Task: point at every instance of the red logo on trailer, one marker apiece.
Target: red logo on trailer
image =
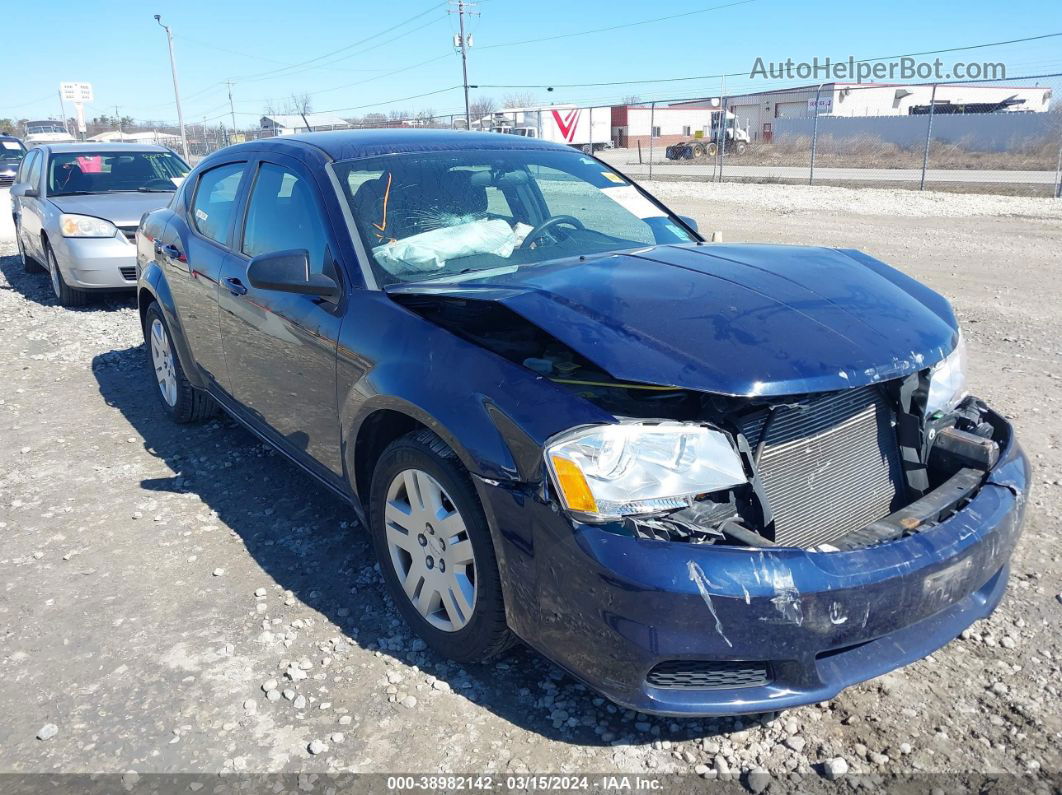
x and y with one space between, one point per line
567 124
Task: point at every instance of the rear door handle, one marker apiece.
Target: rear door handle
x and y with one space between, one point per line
235 286
171 251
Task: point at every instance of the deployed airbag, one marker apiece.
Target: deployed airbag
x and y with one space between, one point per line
429 251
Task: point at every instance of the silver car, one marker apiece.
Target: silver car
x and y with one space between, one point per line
77 206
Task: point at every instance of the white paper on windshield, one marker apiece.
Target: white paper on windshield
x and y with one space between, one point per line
11 145
430 251
177 181
633 202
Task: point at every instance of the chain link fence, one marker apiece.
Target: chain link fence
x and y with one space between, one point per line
930 136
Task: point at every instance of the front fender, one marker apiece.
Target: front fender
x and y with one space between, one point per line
153 283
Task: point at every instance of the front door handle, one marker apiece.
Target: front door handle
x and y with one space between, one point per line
171 251
235 286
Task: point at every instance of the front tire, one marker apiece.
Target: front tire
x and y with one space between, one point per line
435 549
182 401
66 296
29 264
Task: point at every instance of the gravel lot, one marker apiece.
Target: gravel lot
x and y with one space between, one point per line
181 599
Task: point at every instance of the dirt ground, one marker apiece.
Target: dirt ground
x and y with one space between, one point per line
155 577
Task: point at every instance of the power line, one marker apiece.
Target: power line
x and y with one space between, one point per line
261 75
745 73
617 27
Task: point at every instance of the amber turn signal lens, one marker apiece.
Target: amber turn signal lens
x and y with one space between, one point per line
573 486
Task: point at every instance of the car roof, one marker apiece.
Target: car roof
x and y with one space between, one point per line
353 144
101 148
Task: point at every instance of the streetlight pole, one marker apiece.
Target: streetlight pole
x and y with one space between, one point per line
176 90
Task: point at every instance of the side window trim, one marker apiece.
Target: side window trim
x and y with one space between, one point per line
34 167
26 166
189 208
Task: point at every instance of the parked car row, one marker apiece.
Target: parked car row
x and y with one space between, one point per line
704 479
76 208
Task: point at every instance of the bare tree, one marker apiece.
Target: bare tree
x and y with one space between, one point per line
374 120
483 106
633 99
300 103
522 99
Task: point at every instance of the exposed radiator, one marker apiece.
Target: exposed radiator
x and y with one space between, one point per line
828 467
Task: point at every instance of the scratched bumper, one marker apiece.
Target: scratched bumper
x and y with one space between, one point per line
609 608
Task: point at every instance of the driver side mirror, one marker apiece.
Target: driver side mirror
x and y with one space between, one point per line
289 272
690 222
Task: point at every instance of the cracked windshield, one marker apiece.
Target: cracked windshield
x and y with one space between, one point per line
442 215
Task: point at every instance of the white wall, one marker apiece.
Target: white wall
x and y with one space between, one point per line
669 120
985 132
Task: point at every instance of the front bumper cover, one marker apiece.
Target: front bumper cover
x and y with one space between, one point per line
96 263
608 608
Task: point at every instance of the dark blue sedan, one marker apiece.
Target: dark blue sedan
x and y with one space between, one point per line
704 479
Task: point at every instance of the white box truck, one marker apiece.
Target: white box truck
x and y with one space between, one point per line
586 129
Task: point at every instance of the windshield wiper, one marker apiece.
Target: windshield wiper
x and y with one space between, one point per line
154 190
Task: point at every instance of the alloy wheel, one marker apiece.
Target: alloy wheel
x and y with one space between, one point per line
429 547
162 361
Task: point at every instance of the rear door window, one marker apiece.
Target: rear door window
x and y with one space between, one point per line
215 201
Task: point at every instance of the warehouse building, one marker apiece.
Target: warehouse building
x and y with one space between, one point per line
758 111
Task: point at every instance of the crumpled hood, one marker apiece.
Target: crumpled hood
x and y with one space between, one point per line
121 209
730 319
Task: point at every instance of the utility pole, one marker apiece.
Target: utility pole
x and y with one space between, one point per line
463 42
232 110
176 90
62 106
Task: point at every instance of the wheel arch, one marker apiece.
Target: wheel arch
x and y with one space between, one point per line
380 424
153 288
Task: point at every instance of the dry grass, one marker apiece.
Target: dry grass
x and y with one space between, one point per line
988 188
873 152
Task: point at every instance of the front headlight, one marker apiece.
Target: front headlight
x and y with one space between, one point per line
947 381
85 226
611 471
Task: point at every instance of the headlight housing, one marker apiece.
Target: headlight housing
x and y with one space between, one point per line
85 226
947 381
611 471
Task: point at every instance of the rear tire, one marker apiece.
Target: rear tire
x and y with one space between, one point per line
181 401
711 149
419 477
66 296
698 150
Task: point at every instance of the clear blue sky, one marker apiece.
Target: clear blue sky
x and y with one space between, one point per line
117 46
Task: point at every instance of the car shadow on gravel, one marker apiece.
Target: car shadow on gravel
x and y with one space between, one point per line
309 542
37 287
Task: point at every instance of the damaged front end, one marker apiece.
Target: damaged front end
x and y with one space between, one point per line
844 533
826 471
